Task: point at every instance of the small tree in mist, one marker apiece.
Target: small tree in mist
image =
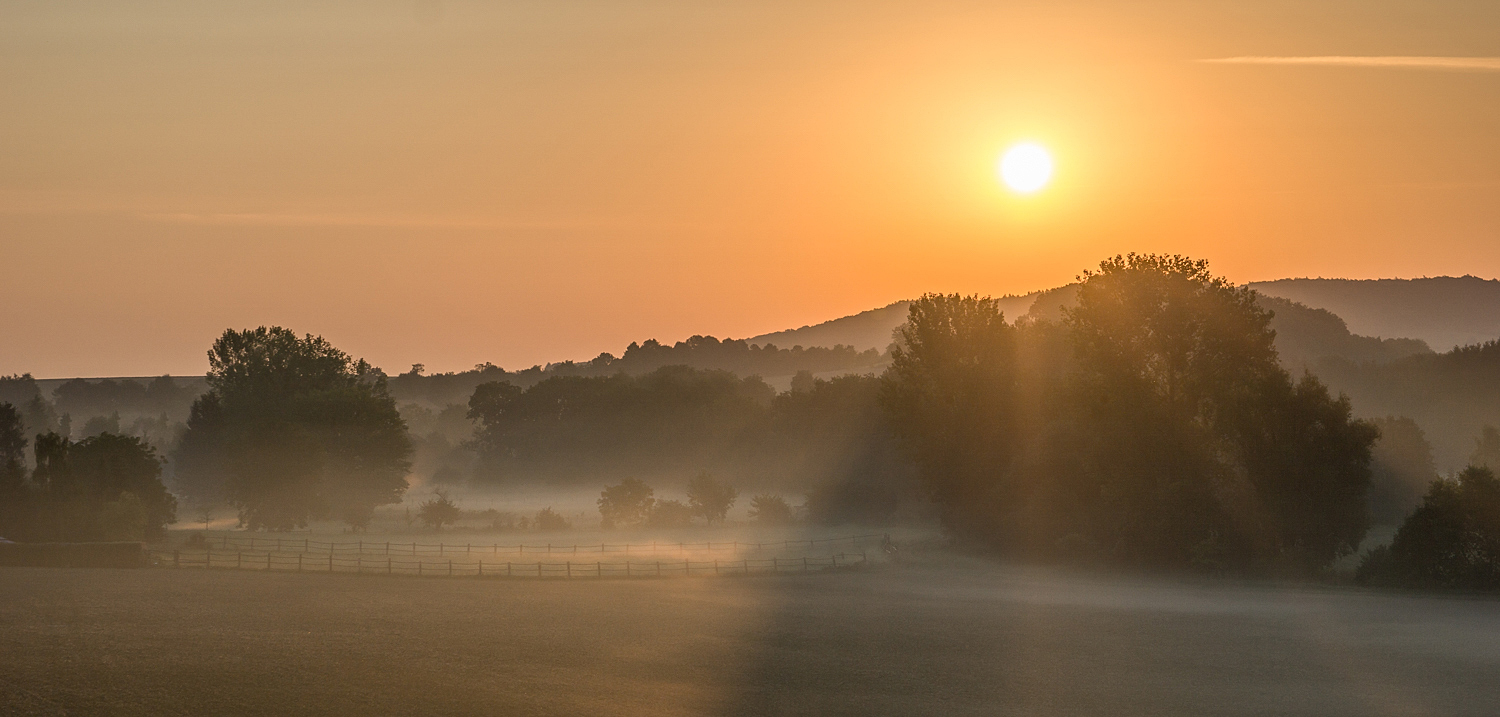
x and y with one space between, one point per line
710 498
770 510
625 505
439 510
548 519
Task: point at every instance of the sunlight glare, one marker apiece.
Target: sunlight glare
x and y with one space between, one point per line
1026 167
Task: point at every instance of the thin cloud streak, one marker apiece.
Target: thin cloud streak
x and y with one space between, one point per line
1450 64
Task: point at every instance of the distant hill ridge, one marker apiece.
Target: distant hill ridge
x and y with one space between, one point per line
1441 311
1444 311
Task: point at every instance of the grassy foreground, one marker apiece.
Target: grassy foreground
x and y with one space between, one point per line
957 638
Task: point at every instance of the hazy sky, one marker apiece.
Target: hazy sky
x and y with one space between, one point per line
519 182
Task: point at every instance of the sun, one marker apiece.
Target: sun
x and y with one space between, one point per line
1026 167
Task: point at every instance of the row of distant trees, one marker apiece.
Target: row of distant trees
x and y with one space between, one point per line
632 504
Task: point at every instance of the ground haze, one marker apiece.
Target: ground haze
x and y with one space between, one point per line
951 636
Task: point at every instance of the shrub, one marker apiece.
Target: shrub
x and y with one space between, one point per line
549 519
1451 541
440 510
770 510
626 504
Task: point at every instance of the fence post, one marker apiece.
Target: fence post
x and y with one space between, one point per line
299 562
176 559
387 565
774 566
804 563
208 558
570 568
747 566
481 568
468 548
538 568
359 563
599 569
330 561
361 547
627 567
549 548
658 563
419 568
238 558
450 568
440 548
716 567
387 547
507 568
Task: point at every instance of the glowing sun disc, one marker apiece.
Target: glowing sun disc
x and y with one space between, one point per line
1026 167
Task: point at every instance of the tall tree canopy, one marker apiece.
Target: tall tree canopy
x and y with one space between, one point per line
293 429
950 392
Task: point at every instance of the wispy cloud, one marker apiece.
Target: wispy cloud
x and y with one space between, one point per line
1451 64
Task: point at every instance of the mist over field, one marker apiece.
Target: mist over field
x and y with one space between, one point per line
658 357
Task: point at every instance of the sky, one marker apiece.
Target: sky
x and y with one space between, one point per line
453 183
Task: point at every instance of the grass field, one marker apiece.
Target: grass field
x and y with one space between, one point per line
949 636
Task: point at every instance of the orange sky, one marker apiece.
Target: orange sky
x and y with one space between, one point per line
520 182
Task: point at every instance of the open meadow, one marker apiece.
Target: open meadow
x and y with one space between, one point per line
939 635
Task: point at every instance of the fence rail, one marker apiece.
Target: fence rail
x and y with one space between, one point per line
393 548
270 561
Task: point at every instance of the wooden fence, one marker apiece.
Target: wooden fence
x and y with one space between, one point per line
331 562
392 548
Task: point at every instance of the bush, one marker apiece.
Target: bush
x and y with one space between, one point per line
626 504
1451 541
770 510
549 519
439 511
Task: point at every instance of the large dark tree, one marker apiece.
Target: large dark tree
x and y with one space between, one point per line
293 429
950 393
1201 447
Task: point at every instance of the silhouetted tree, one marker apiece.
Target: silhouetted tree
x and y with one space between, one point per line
12 453
710 498
292 429
950 393
1451 541
803 382
670 514
1199 445
548 519
770 510
439 510
626 504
